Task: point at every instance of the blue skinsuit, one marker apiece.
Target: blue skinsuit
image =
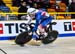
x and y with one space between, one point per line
41 19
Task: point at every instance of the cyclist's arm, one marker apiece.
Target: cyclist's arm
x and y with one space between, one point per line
37 22
29 19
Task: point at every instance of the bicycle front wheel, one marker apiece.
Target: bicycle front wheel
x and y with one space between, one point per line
23 38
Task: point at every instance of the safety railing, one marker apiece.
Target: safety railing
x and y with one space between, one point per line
56 15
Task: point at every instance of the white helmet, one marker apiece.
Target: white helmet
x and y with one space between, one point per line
31 11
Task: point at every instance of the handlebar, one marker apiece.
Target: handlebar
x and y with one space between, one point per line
53 23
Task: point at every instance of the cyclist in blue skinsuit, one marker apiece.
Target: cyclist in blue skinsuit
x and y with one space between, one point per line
42 19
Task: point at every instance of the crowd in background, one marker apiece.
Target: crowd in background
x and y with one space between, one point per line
46 5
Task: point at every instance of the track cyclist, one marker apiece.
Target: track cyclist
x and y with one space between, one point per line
42 20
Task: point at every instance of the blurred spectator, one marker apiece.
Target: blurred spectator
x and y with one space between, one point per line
35 1
22 9
30 3
2 3
52 2
16 3
61 7
46 0
41 5
47 4
70 1
36 6
3 8
71 8
73 1
65 1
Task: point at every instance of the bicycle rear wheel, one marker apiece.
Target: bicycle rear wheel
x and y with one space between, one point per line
52 36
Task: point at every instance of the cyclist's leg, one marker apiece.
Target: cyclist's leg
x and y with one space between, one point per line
34 35
43 25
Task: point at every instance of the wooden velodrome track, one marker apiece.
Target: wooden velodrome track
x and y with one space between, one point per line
63 45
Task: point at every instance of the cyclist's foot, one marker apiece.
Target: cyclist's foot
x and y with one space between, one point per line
30 33
45 34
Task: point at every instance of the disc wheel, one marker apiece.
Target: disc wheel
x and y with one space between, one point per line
52 36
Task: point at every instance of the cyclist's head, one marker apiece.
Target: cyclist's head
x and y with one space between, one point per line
31 11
